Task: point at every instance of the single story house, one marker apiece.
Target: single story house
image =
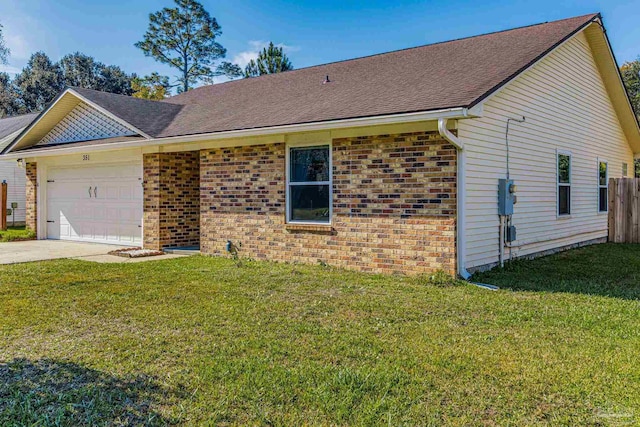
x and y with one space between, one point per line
387 163
10 171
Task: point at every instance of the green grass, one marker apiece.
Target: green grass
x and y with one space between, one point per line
611 270
16 233
200 341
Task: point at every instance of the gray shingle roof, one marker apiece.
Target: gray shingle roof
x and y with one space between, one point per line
11 125
458 73
151 117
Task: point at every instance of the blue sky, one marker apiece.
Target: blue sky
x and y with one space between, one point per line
312 32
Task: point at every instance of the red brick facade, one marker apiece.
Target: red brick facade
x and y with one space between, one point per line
394 205
171 199
31 204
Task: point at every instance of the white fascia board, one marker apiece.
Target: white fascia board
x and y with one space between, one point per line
83 99
32 124
450 113
4 142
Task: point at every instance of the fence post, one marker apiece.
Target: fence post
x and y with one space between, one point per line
624 210
3 209
633 183
620 213
612 210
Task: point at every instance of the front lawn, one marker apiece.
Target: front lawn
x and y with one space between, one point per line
16 233
201 341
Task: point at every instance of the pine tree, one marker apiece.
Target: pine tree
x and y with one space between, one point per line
38 83
271 60
184 37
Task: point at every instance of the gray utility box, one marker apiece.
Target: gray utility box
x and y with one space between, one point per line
506 197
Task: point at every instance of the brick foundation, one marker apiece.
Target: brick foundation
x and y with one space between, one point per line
31 203
171 199
394 205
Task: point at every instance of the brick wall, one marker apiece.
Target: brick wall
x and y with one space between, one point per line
394 205
31 171
171 199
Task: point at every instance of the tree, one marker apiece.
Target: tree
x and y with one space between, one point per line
8 96
4 50
112 78
230 70
271 60
38 83
154 87
81 70
631 76
184 37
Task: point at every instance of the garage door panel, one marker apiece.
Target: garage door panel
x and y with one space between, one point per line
67 190
112 213
99 231
112 193
137 192
113 233
128 233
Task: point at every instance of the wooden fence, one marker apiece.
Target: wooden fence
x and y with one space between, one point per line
624 210
3 206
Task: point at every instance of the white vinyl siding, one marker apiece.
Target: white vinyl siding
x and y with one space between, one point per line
15 178
567 109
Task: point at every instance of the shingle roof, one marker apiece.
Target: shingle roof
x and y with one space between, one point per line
457 73
11 125
151 117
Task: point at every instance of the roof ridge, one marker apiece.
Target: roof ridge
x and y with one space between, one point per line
81 89
592 15
19 116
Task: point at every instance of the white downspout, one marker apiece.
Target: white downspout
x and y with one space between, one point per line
461 241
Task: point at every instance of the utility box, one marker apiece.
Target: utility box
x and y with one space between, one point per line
506 197
510 235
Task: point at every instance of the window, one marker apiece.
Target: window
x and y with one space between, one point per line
625 169
309 184
603 186
564 184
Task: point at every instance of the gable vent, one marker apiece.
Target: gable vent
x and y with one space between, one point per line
85 123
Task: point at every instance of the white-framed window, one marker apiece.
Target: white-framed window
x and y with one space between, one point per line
309 188
564 183
625 169
603 186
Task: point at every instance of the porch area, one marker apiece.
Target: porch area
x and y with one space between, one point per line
172 201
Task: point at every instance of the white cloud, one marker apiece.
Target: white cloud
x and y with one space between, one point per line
255 46
19 47
17 40
9 69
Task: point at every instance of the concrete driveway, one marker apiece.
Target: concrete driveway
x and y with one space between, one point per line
42 250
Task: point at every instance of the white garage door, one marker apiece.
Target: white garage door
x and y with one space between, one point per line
95 204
